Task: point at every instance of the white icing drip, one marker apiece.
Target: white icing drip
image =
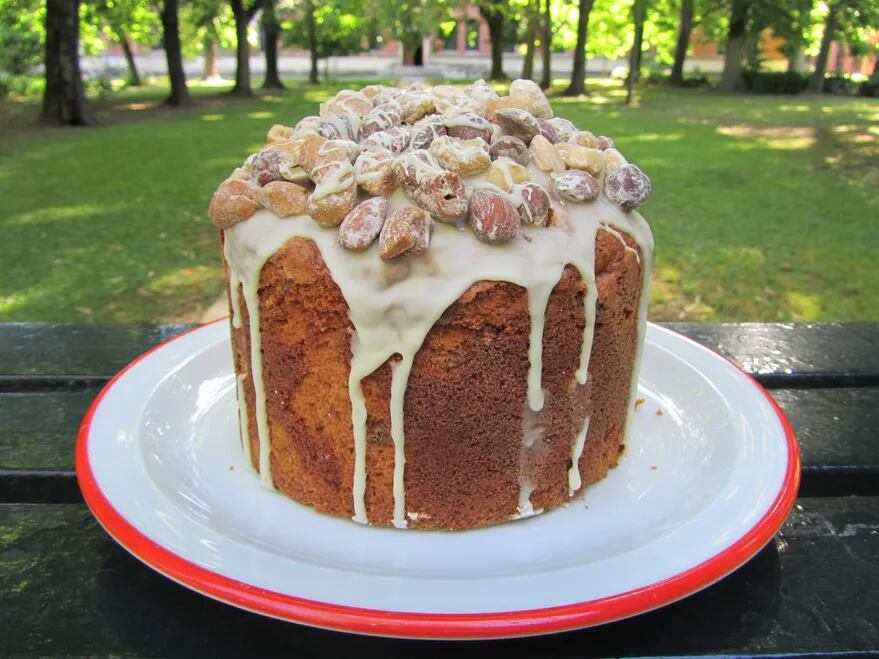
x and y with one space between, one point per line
574 480
251 299
616 234
234 283
525 507
399 379
358 423
243 421
393 305
538 297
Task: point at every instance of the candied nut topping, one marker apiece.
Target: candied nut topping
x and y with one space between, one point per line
576 185
233 202
405 233
581 157
362 225
279 133
424 135
518 123
584 138
530 92
272 165
394 140
510 147
613 161
374 172
628 187
505 173
493 217
545 155
458 153
604 142
465 157
284 199
533 204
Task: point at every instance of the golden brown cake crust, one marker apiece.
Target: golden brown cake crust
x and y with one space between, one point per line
465 405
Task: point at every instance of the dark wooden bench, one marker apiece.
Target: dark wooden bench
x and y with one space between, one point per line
66 589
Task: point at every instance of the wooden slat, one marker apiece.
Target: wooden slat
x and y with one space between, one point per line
45 349
778 351
68 590
779 348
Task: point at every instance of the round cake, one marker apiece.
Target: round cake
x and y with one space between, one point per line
438 305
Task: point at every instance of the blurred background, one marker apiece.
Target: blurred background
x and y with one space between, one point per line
758 121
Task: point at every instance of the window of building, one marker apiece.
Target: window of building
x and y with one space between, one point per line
448 32
472 34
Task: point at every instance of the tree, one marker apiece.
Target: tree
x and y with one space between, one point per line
816 82
124 22
736 46
64 96
852 22
685 29
243 15
533 18
495 13
327 30
206 25
578 73
546 39
639 13
271 32
412 20
311 29
22 37
179 95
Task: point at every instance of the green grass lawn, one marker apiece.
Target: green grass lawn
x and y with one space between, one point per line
764 208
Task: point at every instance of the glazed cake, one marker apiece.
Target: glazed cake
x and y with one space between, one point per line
438 305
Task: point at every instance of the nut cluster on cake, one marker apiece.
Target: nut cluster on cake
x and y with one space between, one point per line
458 154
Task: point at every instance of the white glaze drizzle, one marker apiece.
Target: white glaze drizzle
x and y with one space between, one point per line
392 315
525 507
399 380
251 299
234 283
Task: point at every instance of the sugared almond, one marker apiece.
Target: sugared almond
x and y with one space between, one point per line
233 202
362 225
406 232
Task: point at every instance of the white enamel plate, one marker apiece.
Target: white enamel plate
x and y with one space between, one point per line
710 473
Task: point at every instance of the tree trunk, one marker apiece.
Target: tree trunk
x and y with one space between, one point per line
242 50
271 31
171 36
578 74
133 75
639 12
546 78
64 96
685 28
211 68
312 41
736 47
530 38
816 82
495 21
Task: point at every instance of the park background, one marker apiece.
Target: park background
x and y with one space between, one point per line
757 120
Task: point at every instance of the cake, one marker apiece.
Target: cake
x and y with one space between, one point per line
437 305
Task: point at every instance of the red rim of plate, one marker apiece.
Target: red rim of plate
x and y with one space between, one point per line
433 625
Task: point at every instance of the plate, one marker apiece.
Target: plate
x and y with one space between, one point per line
711 471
